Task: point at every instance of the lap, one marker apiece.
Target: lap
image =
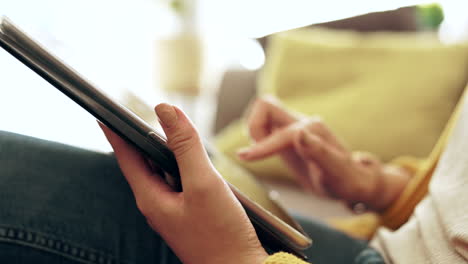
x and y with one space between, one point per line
71 202
66 205
333 247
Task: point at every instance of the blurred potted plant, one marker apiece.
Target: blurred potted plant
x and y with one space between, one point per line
179 53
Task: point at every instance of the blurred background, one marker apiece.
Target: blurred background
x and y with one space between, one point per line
212 57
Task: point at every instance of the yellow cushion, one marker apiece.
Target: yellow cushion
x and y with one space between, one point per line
387 93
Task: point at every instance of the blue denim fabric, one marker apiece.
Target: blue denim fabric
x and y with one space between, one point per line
369 256
61 204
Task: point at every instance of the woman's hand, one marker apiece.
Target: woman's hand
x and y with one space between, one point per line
205 223
320 162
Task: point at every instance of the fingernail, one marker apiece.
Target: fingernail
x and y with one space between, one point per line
167 114
243 152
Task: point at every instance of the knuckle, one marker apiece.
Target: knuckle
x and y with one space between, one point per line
269 99
253 114
255 105
257 120
366 159
252 121
301 128
183 141
266 103
258 107
315 123
298 135
321 150
259 101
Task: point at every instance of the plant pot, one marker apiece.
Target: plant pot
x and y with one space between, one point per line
179 60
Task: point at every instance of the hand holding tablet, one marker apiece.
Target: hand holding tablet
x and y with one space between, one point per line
275 233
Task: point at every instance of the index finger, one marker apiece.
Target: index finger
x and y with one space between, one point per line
265 115
271 144
134 167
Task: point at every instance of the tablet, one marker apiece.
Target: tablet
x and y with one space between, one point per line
275 228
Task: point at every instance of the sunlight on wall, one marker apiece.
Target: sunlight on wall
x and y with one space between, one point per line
454 28
244 19
251 55
257 18
111 42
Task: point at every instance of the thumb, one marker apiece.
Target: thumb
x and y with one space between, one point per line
184 141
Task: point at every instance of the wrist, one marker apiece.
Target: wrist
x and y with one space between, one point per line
254 257
257 257
389 186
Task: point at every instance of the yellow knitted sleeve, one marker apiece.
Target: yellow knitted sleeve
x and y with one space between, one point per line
284 258
417 188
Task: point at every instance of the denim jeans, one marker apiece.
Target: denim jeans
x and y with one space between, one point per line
61 204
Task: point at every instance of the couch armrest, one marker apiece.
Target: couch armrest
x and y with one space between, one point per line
238 87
